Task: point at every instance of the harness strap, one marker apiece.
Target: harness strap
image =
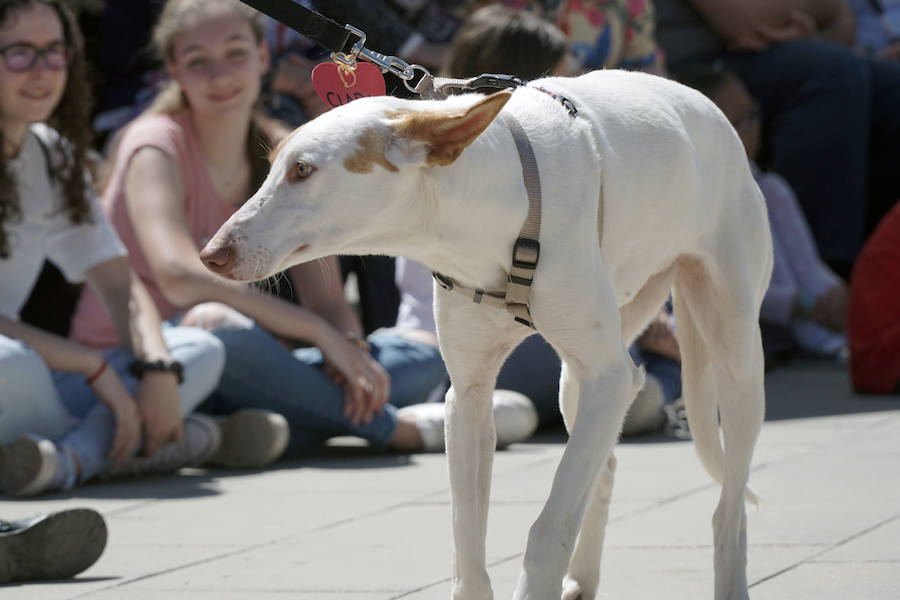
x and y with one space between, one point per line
527 248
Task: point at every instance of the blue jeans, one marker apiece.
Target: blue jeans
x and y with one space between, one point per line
260 372
831 121
63 408
533 369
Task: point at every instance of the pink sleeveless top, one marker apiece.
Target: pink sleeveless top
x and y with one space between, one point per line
204 211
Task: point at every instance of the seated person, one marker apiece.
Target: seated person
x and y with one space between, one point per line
804 296
181 170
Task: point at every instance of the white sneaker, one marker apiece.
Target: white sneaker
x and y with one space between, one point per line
818 340
27 466
515 419
251 438
200 439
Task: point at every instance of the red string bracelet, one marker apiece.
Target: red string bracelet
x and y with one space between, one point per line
90 380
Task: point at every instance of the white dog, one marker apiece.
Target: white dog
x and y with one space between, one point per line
646 190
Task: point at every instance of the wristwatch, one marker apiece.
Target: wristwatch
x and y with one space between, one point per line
139 367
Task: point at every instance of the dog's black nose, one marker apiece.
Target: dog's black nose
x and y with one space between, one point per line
218 259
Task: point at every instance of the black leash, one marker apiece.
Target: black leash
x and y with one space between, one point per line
307 23
346 50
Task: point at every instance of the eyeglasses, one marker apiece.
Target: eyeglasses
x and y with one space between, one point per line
22 56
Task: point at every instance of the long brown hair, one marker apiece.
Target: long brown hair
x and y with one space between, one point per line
178 15
71 118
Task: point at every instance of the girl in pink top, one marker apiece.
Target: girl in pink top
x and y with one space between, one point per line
180 171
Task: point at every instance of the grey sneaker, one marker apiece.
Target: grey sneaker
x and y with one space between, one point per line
55 546
251 438
676 425
200 439
27 465
515 419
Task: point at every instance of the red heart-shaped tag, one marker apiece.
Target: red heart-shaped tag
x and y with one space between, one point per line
337 85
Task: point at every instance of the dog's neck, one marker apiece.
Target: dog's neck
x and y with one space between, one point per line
452 229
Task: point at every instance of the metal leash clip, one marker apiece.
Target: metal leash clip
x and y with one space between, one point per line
392 64
428 86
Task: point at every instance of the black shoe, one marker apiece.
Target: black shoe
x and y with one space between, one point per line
47 547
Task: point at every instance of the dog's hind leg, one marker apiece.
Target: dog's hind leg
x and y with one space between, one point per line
716 311
586 332
474 342
583 578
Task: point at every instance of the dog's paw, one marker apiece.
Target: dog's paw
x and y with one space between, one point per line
572 590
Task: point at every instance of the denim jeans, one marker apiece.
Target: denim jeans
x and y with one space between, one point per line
533 369
261 372
63 408
832 128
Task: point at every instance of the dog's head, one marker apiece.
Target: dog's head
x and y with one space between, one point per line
345 181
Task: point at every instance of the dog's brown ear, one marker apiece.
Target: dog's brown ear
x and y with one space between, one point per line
447 133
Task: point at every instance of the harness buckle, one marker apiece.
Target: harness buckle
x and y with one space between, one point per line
443 281
530 253
495 80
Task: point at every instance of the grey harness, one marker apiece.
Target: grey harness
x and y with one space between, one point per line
527 248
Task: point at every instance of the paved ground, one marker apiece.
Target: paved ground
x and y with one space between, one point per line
350 524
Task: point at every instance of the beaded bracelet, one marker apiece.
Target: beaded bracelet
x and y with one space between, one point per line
96 374
357 341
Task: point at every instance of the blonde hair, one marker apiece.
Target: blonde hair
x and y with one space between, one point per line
180 15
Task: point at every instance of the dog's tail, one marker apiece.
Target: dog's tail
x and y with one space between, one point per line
704 375
704 423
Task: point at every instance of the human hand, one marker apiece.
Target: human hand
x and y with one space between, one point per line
429 55
160 409
365 382
215 315
830 308
293 76
112 392
659 337
759 35
890 52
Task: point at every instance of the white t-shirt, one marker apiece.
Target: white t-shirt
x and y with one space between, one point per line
416 285
45 231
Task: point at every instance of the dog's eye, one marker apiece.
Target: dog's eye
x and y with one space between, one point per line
301 170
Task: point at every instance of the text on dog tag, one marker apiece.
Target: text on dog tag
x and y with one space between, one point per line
339 84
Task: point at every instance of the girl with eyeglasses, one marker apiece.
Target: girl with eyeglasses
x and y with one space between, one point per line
69 412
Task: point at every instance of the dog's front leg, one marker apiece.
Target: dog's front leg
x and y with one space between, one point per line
473 356
551 541
600 379
583 578
471 439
